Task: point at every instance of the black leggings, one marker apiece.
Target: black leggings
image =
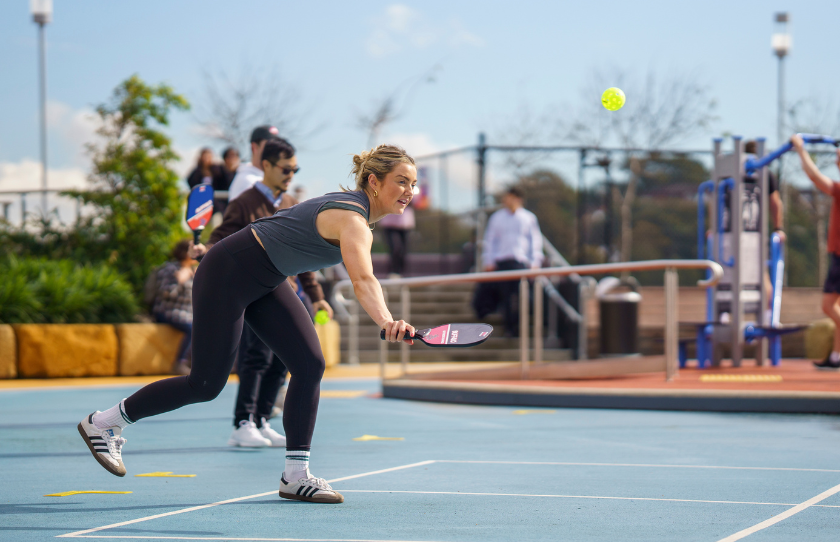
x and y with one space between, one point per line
236 280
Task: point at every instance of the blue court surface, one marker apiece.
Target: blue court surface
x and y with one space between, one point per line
460 473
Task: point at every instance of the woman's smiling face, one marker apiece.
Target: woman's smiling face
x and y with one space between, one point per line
397 189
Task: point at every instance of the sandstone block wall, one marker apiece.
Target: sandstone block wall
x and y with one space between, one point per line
66 350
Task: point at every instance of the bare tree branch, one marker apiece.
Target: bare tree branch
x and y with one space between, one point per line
234 106
393 106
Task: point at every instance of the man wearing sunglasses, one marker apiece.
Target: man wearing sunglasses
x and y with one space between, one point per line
248 174
261 373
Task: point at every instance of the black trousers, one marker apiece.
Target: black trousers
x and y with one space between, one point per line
509 296
237 283
261 374
397 240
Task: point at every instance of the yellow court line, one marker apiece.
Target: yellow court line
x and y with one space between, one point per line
68 493
523 412
741 378
342 394
164 475
374 437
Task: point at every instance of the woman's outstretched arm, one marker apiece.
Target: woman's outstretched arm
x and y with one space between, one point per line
356 239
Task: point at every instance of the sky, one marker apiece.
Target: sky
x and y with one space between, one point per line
491 61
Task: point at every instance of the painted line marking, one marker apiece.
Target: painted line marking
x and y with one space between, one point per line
80 534
741 378
68 493
784 515
577 497
374 437
645 465
167 474
342 394
118 537
524 412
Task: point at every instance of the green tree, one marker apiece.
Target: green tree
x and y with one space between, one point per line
134 190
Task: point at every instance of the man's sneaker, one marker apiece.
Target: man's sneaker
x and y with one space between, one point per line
104 444
277 440
248 436
310 490
827 364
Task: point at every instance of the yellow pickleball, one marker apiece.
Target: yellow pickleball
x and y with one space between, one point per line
613 99
322 317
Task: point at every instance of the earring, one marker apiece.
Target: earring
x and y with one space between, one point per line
375 193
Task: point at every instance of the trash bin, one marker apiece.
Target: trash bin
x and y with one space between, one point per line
619 317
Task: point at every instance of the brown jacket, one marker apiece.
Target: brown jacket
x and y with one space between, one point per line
249 206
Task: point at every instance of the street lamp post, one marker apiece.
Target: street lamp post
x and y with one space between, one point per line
42 14
781 42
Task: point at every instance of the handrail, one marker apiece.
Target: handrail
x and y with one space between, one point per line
715 273
589 269
757 163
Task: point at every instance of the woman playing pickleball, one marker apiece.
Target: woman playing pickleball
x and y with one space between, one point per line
243 279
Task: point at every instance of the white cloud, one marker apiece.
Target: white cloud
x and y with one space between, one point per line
26 175
71 130
402 27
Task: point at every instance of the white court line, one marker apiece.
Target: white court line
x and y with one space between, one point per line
634 465
784 515
258 539
80 534
578 497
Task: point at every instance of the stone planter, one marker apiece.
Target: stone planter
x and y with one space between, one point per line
147 349
8 352
66 350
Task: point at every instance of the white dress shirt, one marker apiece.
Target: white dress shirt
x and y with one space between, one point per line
247 175
513 236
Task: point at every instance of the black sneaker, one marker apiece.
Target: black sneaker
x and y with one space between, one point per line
827 364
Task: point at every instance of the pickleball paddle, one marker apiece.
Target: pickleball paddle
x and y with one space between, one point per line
199 209
451 335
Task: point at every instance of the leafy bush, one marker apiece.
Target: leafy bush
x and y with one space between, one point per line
38 290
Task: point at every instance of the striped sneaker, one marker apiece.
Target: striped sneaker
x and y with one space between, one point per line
309 489
105 444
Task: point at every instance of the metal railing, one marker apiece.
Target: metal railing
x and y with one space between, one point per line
670 267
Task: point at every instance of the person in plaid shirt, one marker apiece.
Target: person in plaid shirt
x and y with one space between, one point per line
173 299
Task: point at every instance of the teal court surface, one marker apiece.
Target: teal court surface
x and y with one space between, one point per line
414 471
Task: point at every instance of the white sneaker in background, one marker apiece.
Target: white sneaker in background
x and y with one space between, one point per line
248 436
277 440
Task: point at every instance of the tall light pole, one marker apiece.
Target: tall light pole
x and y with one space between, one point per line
781 42
42 14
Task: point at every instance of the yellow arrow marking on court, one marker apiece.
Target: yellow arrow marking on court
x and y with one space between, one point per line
741 378
165 475
522 412
68 493
342 394
374 437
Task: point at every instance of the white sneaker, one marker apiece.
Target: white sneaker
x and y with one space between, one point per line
310 490
277 440
104 444
248 436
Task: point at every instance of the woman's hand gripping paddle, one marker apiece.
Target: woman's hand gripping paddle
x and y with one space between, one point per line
451 335
199 209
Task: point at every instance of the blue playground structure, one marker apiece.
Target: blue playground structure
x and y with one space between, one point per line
739 194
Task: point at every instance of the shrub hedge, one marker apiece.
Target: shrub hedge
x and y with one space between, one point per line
43 291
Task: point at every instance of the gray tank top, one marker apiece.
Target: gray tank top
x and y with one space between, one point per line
291 239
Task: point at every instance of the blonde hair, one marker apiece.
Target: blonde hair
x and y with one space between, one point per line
380 161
